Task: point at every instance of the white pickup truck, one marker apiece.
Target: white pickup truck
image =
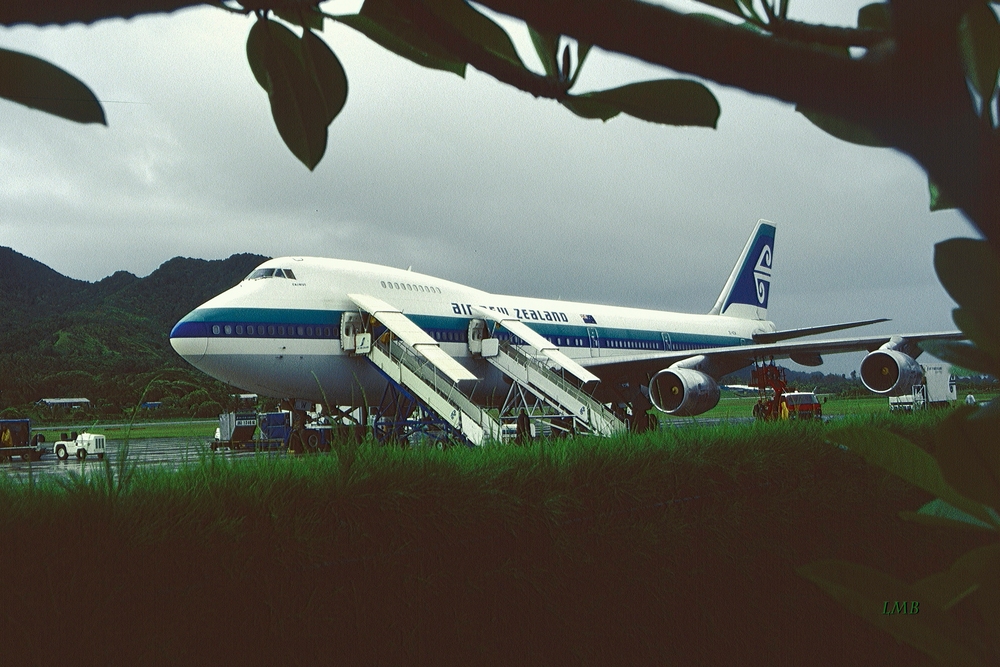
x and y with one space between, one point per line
81 446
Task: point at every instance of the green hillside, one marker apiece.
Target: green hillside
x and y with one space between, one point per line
105 340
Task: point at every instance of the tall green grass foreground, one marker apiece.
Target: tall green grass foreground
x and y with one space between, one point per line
649 549
953 616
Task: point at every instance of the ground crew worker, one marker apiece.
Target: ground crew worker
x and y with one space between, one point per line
523 431
784 409
5 438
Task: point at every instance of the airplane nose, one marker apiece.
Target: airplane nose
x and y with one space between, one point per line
189 338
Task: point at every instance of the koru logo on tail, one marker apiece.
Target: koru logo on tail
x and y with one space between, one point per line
762 274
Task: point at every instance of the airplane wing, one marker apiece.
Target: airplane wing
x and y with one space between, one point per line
723 360
775 336
407 331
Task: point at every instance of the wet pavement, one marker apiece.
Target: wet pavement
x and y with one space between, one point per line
170 452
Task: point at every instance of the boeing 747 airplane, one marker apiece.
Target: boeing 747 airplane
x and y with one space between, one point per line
339 332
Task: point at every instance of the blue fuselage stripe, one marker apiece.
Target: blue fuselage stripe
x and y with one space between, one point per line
325 324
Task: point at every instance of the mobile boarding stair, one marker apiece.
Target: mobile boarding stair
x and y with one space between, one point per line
424 393
542 392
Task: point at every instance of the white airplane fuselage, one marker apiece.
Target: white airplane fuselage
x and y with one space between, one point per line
281 336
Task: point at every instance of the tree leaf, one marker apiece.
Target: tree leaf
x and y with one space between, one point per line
305 16
296 104
587 107
867 593
582 49
382 23
842 129
41 85
904 459
666 101
939 513
327 73
874 16
546 45
746 25
968 455
476 27
255 56
730 6
939 200
962 354
982 328
979 41
255 50
975 573
969 271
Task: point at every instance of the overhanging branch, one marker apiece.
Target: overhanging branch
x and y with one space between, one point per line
785 69
474 54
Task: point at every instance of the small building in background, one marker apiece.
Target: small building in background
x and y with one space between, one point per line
65 403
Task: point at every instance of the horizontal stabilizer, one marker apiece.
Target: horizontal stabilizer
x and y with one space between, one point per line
407 331
537 341
787 334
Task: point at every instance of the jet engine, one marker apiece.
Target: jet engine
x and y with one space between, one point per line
890 372
683 392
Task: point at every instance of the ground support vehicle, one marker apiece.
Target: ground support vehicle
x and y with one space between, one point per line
81 446
937 390
271 430
236 430
315 435
771 384
803 405
16 440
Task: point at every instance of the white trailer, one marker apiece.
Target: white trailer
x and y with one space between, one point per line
937 390
81 446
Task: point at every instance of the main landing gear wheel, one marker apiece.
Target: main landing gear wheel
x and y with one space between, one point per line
61 453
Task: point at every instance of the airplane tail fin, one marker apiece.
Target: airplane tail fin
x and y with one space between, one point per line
749 286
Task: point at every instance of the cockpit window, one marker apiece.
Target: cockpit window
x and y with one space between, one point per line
260 273
271 273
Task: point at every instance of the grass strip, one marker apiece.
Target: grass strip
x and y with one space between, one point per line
676 547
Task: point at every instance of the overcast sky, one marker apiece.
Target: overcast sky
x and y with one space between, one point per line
466 179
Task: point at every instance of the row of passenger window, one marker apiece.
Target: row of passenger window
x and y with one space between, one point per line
441 335
613 343
409 287
279 330
445 336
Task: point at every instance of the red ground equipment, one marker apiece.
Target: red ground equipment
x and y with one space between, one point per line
768 376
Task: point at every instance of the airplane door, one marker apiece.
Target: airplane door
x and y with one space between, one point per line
477 331
595 342
351 324
666 341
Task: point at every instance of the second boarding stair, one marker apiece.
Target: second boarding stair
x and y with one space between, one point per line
564 397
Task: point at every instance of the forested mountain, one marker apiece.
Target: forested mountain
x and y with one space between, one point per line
104 340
